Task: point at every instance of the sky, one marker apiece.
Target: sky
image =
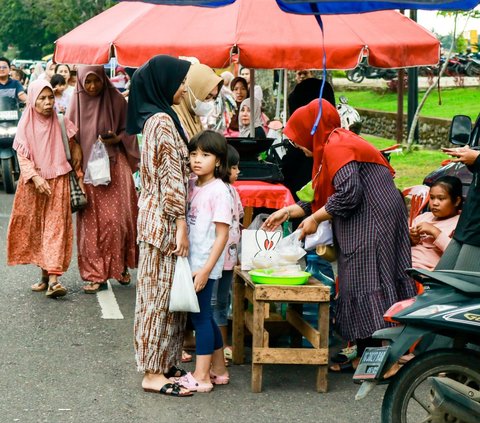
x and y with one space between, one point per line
444 25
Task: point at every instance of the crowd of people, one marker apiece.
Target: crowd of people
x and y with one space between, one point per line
188 206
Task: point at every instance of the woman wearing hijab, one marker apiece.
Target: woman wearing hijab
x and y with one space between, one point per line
203 87
162 229
40 230
239 87
296 167
244 119
106 228
353 185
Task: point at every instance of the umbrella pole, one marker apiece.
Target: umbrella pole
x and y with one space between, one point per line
252 102
279 91
285 87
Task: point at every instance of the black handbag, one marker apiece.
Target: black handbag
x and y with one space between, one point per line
78 200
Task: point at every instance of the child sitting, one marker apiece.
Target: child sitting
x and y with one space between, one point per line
431 232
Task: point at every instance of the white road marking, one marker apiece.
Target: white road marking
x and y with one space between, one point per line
108 304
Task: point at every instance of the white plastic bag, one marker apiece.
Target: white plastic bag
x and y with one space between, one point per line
290 249
182 295
323 236
98 166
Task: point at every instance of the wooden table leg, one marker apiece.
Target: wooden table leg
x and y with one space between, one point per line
323 323
258 325
238 324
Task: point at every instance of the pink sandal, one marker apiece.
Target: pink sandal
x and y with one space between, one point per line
219 379
192 384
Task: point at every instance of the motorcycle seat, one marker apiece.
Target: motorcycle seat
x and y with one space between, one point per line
462 280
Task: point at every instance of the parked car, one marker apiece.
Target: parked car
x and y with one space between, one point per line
462 132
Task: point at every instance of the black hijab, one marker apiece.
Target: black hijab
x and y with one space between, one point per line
308 90
152 89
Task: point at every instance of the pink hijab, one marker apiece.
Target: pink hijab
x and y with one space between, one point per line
39 138
104 112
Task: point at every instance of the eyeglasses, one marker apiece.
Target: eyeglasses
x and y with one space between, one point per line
3 67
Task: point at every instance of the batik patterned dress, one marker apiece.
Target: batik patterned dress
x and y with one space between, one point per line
371 229
164 176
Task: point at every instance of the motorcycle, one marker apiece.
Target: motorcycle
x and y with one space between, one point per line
363 71
9 117
443 324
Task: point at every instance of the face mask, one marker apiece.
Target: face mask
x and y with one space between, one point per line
201 108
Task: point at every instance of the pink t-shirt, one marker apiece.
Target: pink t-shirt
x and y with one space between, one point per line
207 205
231 249
427 254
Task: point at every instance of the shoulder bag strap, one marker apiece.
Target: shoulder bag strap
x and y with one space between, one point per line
64 136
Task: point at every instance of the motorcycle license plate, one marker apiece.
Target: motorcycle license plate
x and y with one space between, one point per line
8 115
371 363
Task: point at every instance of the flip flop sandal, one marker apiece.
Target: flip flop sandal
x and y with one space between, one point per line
126 278
90 287
188 381
341 367
170 389
56 290
40 286
175 372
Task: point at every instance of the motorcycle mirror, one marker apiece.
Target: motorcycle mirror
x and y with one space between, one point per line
460 130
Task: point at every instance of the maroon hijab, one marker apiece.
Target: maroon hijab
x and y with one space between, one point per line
95 115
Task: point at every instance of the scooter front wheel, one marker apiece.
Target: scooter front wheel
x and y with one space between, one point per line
409 397
8 175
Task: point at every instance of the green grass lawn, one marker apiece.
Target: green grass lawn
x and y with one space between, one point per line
454 101
410 168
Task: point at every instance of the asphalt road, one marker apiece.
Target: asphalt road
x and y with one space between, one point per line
62 362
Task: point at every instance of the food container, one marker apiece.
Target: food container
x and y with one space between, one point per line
273 277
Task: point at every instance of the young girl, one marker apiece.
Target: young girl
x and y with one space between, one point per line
222 288
209 217
431 232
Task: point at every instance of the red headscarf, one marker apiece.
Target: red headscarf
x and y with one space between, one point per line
39 137
332 147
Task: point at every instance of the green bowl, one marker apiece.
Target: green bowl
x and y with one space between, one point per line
264 276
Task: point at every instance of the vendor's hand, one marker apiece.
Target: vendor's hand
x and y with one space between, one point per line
111 140
181 238
200 279
464 154
308 226
275 219
41 185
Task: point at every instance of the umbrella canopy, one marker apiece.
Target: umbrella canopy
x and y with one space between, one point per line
339 6
264 36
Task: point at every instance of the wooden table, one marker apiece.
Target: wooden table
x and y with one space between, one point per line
262 194
260 296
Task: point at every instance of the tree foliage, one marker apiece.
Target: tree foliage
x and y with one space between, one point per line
32 26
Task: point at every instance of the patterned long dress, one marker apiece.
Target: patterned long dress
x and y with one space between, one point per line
164 175
371 229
